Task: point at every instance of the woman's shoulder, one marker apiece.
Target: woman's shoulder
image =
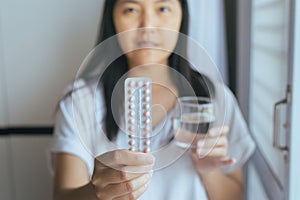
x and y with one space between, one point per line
81 94
81 87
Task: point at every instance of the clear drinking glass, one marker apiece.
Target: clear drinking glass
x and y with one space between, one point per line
192 116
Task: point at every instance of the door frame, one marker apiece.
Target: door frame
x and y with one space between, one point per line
243 59
294 106
243 82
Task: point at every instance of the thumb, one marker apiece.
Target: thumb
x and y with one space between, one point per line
227 161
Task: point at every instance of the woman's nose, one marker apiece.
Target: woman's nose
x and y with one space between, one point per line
148 20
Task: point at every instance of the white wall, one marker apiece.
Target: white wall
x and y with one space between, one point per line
6 185
42 44
3 99
6 181
31 178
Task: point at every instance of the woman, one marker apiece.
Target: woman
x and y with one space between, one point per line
122 174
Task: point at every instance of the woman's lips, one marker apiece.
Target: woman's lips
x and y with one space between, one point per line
146 44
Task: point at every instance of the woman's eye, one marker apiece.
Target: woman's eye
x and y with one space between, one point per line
130 10
164 9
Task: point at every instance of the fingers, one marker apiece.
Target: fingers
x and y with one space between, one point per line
125 157
212 152
138 169
215 144
212 142
134 195
185 136
129 188
122 174
208 164
106 176
227 161
110 176
115 171
216 147
218 131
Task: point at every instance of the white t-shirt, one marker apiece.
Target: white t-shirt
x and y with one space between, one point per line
79 131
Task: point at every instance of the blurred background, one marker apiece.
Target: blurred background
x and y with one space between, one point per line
253 42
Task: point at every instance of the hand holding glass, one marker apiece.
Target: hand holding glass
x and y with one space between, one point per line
192 116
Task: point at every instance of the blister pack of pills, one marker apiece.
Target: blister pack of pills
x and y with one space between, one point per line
138 113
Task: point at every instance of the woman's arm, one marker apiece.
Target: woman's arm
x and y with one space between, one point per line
221 186
209 156
118 174
71 179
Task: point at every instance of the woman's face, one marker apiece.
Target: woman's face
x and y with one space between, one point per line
152 29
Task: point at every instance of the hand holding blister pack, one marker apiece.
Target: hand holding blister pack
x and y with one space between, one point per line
138 113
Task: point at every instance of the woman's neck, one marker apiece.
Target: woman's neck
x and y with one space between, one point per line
159 74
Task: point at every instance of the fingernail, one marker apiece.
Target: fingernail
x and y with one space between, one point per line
146 185
225 159
201 152
200 143
233 160
151 174
229 161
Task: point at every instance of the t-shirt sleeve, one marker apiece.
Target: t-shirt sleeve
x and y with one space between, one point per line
240 143
66 139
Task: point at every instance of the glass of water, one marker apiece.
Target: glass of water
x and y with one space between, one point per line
192 117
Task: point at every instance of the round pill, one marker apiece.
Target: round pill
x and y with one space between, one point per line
130 91
146 99
147 143
131 106
131 114
147 106
146 150
131 149
146 91
131 142
147 114
131 99
139 84
131 136
131 84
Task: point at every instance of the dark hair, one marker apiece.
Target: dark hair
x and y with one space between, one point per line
119 67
